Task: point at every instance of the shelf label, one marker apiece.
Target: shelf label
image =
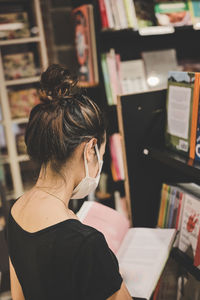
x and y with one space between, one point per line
156 30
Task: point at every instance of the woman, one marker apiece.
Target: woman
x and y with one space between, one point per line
52 254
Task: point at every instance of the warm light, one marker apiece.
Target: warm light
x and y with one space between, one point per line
197 26
153 80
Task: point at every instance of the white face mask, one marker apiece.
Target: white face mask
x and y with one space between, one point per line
87 184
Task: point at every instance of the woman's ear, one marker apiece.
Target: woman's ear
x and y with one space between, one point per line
90 150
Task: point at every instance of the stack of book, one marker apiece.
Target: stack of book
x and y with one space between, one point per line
180 209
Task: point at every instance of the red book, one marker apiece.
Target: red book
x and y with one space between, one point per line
197 255
104 18
179 211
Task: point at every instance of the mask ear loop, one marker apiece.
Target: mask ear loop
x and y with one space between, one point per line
85 162
98 157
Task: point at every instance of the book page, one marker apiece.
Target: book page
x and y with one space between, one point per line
111 223
179 111
142 256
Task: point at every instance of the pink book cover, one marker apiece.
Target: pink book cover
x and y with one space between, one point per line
113 152
108 221
118 147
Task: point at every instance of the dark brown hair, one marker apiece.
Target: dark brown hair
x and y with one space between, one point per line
63 120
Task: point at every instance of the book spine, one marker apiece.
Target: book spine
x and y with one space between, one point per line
122 14
172 208
197 253
106 79
166 206
111 23
103 14
131 14
194 116
115 14
112 71
162 205
180 209
95 70
113 151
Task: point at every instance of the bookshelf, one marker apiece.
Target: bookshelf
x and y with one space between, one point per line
141 122
36 41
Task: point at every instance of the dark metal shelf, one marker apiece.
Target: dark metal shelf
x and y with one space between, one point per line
186 262
188 167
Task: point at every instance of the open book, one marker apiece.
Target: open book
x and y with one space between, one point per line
141 252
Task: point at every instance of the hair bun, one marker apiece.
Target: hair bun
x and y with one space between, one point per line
56 82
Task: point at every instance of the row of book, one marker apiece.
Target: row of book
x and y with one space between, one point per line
183 113
136 76
20 65
180 209
14 25
136 14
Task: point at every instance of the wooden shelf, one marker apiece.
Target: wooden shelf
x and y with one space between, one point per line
153 30
23 157
188 167
20 120
186 262
4 159
20 41
23 81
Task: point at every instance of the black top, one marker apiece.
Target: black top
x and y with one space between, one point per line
68 260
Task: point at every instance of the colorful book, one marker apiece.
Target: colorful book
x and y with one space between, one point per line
111 22
116 155
190 227
106 79
103 14
166 206
22 101
173 13
197 145
136 248
19 65
182 112
131 14
122 14
14 25
164 194
112 71
85 43
172 207
194 7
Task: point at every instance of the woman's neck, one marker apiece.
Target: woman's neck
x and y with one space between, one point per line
55 184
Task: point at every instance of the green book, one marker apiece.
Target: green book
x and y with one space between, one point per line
182 112
106 79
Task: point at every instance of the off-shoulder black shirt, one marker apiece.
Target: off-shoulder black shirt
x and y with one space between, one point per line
66 261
